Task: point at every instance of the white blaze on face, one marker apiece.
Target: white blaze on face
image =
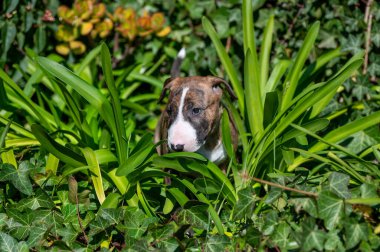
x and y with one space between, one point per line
181 132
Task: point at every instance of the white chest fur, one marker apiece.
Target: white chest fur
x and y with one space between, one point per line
216 155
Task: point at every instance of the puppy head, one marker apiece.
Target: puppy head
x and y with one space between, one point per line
193 111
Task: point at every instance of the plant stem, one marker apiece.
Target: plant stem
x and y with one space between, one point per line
367 19
261 181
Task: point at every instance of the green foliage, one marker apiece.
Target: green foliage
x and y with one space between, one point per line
79 169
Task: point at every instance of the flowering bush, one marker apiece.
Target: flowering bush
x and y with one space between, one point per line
89 19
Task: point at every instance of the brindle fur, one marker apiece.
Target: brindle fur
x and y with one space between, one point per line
205 93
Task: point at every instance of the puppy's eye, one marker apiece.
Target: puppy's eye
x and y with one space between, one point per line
196 111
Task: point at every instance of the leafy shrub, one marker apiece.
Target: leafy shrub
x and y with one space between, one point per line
80 170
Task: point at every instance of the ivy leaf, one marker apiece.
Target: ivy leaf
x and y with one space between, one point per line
334 242
353 44
368 191
375 36
360 141
271 221
355 233
216 243
314 240
196 216
307 204
331 209
338 184
245 205
40 200
136 223
68 233
111 215
7 242
18 177
281 235
37 233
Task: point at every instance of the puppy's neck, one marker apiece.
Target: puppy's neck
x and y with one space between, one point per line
213 148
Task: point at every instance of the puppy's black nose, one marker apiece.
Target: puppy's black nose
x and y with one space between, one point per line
177 147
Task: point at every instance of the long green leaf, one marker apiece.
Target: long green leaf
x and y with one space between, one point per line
320 105
119 120
254 105
266 46
340 134
226 61
294 73
25 100
278 126
61 152
96 175
88 92
250 45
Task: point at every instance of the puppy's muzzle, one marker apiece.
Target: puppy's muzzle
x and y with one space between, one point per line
177 147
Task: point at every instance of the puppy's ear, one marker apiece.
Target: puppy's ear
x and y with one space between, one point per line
216 82
167 85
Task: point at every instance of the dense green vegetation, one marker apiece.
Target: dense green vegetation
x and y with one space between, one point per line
78 107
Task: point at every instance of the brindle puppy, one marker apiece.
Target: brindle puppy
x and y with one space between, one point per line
191 120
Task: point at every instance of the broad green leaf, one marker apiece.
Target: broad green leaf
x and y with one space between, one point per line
355 232
314 240
334 242
331 209
271 222
217 243
7 243
40 200
136 223
196 216
24 101
8 36
37 234
19 178
338 184
111 215
206 186
245 205
281 235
